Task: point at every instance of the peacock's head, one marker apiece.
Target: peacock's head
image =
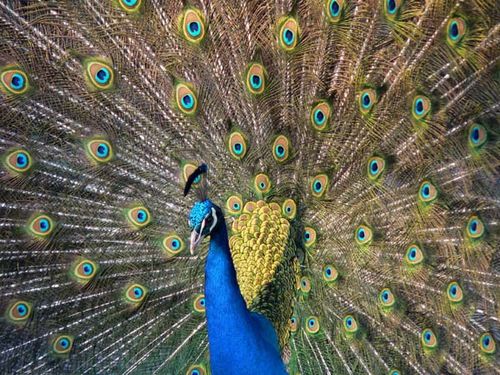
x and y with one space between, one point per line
203 220
205 216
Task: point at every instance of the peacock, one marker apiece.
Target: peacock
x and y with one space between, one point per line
249 187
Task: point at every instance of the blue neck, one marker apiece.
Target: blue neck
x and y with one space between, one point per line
240 342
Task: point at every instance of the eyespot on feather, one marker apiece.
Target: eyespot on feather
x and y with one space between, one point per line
367 99
14 80
475 228
320 116
262 183
289 209
186 99
41 226
100 75
99 150
293 324
350 324
61 344
172 244
18 312
237 145
334 10
454 292
392 8
193 25
83 270
309 237
196 370
255 79
281 149
138 217
487 343
288 34
319 185
421 107
414 255
135 294
199 303
429 339
18 161
330 273
312 325
234 205
130 6
363 235
455 30
427 192
375 167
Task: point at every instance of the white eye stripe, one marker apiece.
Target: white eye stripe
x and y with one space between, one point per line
214 217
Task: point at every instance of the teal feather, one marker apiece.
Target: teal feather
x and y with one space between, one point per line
106 107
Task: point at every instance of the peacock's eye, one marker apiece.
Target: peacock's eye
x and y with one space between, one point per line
376 166
363 235
312 324
14 81
172 244
309 236
475 227
487 343
414 255
477 136
456 30
237 145
84 270
293 324
320 115
199 303
138 216
319 185
334 10
427 192
289 209
350 324
288 33
99 150
135 294
386 298
130 6
330 273
18 161
421 107
367 100
429 339
392 7
185 99
193 25
234 205
19 312
305 284
196 370
454 292
41 226
255 80
62 344
100 75
262 183
281 148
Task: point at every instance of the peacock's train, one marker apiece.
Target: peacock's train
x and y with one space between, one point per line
249 187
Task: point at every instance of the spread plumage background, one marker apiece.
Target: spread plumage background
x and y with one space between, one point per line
369 128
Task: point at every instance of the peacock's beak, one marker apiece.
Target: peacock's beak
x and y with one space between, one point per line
196 238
